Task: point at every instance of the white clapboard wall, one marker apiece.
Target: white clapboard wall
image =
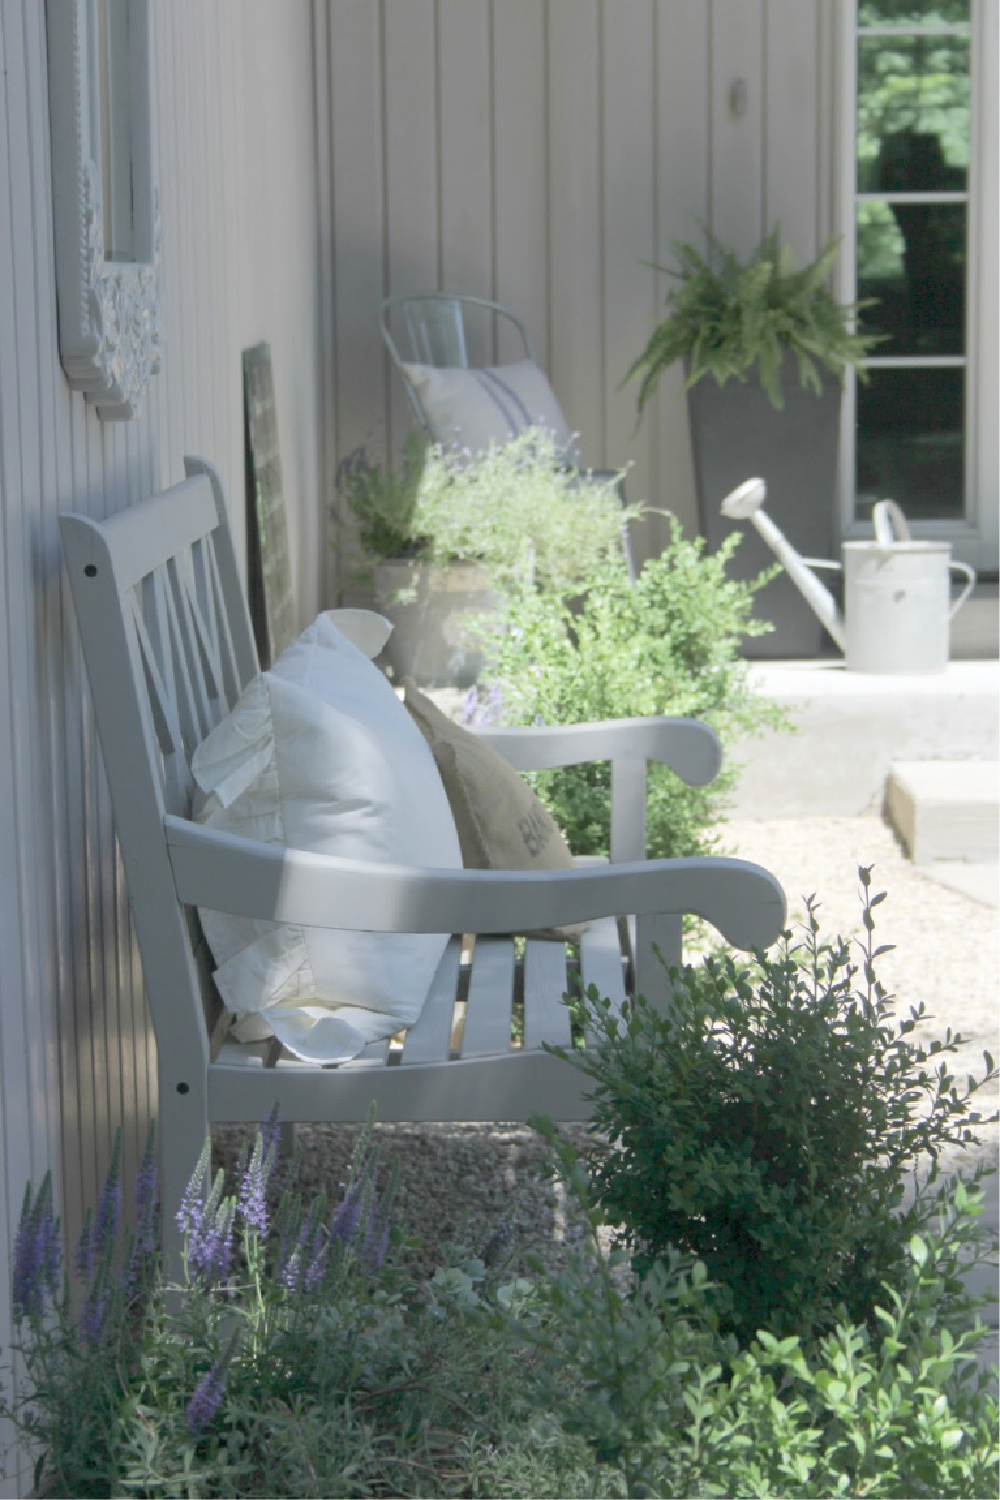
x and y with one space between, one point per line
539 152
236 152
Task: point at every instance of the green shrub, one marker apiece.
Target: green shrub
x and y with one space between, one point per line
666 644
670 1407
767 1123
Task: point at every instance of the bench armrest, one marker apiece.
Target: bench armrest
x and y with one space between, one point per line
216 870
690 748
687 746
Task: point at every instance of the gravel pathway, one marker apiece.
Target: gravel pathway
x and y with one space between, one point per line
467 1183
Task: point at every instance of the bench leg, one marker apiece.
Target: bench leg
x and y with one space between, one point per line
182 1129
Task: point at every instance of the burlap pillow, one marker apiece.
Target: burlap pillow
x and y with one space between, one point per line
501 823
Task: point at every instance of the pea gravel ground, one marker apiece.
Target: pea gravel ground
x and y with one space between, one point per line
477 1185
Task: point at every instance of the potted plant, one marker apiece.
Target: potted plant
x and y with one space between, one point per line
429 601
764 347
451 533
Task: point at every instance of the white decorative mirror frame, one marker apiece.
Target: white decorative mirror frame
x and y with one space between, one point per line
107 238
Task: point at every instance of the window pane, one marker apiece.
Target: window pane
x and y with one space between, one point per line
913 114
913 12
910 442
911 258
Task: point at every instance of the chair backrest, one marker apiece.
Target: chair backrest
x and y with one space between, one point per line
169 647
436 329
439 329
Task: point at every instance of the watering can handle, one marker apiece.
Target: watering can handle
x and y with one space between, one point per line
889 523
970 583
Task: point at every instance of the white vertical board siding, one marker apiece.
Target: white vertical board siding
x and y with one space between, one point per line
236 161
412 181
520 169
683 175
736 138
629 218
540 151
791 124
357 204
465 113
576 241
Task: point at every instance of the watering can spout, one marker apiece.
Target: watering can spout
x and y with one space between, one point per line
744 504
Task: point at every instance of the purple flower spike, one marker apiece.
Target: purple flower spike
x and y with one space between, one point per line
207 1223
271 1132
207 1398
253 1191
348 1216
469 706
290 1270
376 1244
147 1200
92 1315
316 1270
210 1250
109 1209
191 1213
37 1253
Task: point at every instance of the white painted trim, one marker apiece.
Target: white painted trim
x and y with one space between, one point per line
110 323
984 242
975 538
846 133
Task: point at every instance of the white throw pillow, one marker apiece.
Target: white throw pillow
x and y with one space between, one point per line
474 408
319 754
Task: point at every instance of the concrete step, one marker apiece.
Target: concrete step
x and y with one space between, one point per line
946 809
852 727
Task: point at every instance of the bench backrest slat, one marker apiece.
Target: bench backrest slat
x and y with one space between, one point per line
169 647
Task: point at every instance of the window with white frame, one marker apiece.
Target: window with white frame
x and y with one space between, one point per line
914 253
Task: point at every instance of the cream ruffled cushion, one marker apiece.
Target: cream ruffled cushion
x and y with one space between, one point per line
319 754
480 407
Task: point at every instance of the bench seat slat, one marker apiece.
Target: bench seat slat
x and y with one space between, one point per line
601 960
491 995
546 1018
429 1038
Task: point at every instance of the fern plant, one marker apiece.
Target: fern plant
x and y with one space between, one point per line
727 318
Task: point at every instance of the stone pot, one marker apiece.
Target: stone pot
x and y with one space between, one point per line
435 609
736 434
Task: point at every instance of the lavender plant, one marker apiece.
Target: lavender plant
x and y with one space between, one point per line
296 1357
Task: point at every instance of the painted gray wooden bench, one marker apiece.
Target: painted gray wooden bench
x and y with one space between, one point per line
168 647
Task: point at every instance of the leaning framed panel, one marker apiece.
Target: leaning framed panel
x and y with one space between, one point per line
269 575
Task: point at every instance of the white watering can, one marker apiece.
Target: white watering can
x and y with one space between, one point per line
896 591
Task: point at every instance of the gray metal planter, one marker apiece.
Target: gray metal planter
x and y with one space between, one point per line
735 434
